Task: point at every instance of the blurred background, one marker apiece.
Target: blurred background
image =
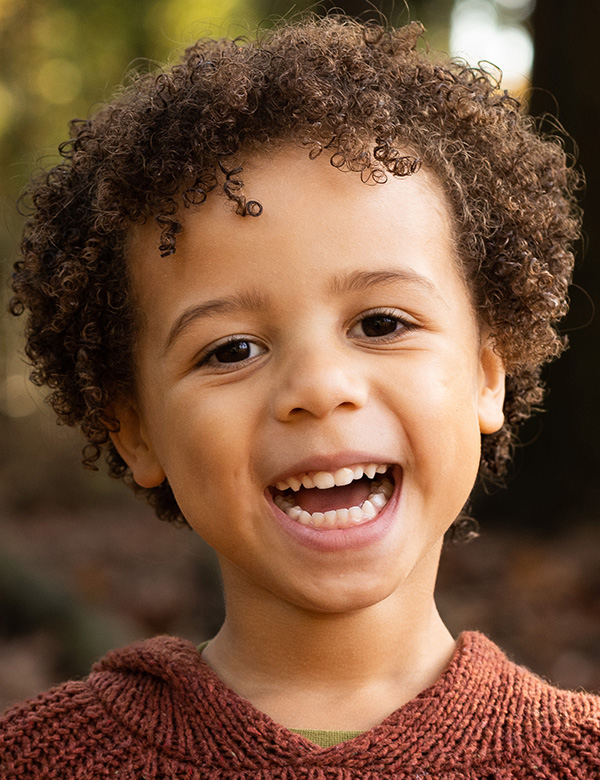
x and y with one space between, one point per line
84 566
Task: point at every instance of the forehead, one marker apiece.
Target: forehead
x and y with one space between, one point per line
315 218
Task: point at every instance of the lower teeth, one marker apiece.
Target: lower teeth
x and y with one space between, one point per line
337 518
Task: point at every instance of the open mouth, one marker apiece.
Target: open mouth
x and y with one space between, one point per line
344 498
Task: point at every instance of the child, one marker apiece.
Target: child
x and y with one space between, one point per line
299 292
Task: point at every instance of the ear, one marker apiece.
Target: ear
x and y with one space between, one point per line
134 445
491 389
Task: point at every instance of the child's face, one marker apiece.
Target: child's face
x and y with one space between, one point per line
334 330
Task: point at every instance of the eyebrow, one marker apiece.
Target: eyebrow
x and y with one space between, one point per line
359 281
245 301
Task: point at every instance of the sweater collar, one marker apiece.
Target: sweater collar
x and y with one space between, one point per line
162 690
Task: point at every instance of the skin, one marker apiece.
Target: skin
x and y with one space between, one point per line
298 639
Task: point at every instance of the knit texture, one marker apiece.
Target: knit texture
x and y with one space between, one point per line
155 711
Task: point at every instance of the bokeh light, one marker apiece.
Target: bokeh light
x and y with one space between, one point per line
522 8
183 21
58 81
7 108
480 32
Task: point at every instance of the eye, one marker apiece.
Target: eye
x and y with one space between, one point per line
232 353
382 325
379 325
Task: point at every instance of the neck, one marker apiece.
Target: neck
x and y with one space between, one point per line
320 670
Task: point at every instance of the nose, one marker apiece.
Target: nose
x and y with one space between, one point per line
315 381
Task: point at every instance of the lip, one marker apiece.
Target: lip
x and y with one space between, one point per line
338 539
328 463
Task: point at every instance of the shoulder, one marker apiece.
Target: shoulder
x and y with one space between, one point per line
40 734
547 731
560 729
86 722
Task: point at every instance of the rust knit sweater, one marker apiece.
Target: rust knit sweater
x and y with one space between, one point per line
154 711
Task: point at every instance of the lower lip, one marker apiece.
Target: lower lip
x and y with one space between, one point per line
350 538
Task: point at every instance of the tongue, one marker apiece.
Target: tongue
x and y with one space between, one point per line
316 500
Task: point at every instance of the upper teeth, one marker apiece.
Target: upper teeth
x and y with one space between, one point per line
329 479
381 492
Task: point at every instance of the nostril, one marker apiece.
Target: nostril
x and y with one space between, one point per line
317 391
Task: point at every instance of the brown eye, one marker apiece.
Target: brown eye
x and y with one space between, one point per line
233 352
379 325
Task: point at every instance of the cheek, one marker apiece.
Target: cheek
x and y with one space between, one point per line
436 403
208 449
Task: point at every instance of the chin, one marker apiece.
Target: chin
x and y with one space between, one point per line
337 600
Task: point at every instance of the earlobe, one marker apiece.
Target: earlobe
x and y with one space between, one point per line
491 390
133 444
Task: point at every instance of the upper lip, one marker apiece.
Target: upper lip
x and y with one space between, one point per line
329 463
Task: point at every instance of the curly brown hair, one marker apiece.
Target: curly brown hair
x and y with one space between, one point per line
361 94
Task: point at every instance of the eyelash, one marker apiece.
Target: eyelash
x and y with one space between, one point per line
404 324
206 357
